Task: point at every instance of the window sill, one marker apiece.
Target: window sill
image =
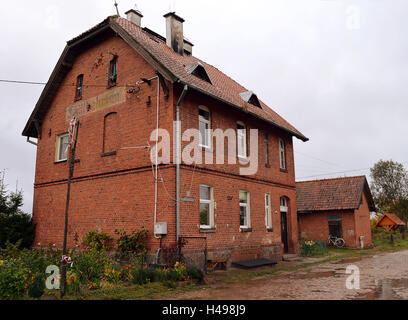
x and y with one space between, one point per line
65 161
243 159
108 154
245 229
269 229
207 230
77 99
284 170
111 85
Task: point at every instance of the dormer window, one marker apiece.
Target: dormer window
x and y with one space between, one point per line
251 98
113 72
198 70
79 85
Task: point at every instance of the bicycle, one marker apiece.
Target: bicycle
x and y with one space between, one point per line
335 241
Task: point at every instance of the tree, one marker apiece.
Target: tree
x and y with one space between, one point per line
15 224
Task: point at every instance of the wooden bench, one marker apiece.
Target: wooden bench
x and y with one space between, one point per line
213 263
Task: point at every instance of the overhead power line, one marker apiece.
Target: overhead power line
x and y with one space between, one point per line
330 173
68 84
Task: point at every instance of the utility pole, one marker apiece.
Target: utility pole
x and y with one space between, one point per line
72 143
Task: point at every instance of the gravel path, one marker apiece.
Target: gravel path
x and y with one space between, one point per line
383 276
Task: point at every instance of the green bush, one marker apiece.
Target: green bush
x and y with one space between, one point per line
90 265
134 243
99 241
13 279
37 287
311 248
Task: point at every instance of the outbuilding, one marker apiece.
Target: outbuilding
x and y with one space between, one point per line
339 207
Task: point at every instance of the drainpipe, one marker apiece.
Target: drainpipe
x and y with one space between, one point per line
178 160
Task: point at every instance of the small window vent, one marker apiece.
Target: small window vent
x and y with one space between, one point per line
251 98
198 70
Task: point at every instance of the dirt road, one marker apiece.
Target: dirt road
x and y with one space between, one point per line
383 276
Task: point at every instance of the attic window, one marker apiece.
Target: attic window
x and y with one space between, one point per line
79 84
198 70
251 98
113 72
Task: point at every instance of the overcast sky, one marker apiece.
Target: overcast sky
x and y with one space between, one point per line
335 69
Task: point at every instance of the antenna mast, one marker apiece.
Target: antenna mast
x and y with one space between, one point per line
116 6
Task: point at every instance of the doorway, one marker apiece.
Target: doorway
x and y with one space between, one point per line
284 224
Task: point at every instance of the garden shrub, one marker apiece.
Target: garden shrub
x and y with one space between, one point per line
134 243
37 287
14 279
312 248
99 241
90 265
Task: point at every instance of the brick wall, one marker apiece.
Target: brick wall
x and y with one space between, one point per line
115 191
355 223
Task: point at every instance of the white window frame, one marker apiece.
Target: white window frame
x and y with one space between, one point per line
241 135
248 211
207 122
211 206
268 211
59 146
283 204
282 155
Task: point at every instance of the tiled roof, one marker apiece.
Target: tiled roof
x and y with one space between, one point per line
222 86
332 194
167 61
393 217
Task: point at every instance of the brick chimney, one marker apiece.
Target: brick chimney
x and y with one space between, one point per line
134 16
174 32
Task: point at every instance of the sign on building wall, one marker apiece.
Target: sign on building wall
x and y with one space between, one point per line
105 100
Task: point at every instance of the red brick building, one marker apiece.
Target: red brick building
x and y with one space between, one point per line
123 81
339 207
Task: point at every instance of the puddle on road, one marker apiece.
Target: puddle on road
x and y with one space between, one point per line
313 275
348 260
387 289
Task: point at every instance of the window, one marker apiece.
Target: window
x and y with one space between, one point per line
283 204
282 160
206 207
266 147
244 212
113 71
62 147
268 216
79 84
335 228
241 139
204 127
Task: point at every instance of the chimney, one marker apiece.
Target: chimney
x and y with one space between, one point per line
134 16
174 32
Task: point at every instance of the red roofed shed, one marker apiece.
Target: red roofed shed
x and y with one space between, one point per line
339 207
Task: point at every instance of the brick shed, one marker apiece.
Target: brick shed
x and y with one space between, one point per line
123 81
339 207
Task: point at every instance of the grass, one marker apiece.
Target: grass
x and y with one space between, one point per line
154 290
159 290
